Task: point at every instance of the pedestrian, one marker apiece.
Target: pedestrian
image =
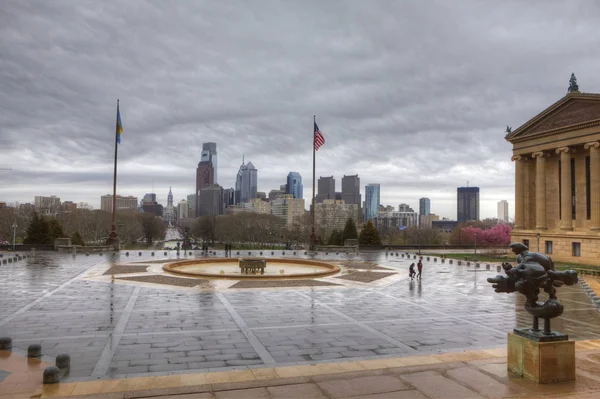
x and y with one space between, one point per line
411 271
419 268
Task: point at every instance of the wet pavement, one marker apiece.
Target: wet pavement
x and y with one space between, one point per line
114 329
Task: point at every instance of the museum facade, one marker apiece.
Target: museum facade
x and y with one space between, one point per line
557 179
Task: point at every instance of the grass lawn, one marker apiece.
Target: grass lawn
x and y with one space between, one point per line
512 259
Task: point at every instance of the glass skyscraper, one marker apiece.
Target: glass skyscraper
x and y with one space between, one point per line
294 185
246 183
424 206
467 204
372 200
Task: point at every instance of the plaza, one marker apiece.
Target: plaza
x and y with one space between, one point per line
121 316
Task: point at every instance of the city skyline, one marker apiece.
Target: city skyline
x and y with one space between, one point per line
371 100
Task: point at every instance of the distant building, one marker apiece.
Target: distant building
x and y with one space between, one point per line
372 200
68 206
351 190
149 198
332 215
209 154
191 201
424 206
122 203
228 197
406 217
405 208
294 185
210 201
258 205
325 189
467 208
204 178
246 183
287 208
425 221
503 211
446 226
183 210
169 215
47 205
274 194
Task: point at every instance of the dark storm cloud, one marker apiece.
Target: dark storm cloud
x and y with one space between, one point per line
414 95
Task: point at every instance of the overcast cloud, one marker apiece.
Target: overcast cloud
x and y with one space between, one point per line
414 95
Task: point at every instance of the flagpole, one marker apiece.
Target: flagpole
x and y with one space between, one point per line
313 235
113 239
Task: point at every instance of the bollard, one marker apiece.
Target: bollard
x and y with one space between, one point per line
459 262
63 361
51 375
443 260
165 253
6 343
272 253
428 258
435 259
249 253
487 267
100 253
294 252
283 253
326 253
468 263
477 264
34 350
238 252
126 253
305 253
152 253
260 252
402 255
140 254
87 254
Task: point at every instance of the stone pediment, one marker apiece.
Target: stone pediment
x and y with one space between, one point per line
569 113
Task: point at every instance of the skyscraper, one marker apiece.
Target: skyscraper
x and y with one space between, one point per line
191 203
204 178
209 154
467 204
325 189
503 211
294 185
372 200
424 206
211 201
351 190
169 214
246 183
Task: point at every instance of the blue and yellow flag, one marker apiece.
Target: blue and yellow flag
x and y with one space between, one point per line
119 126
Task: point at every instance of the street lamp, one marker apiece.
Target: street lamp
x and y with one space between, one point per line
14 226
538 240
475 256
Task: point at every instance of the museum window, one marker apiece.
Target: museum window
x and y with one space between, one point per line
549 247
526 242
576 248
573 201
588 197
559 190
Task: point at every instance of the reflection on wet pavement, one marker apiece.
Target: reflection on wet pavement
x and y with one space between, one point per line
113 328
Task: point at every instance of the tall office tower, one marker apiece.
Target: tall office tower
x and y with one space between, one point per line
209 154
424 206
183 210
351 190
246 183
149 198
191 200
294 185
503 211
211 201
204 178
326 189
372 200
228 197
467 204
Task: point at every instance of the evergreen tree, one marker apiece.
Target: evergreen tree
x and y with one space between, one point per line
573 86
54 231
37 231
350 232
335 238
76 239
369 235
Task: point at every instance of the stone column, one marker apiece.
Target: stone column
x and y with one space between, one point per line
594 183
540 190
565 182
519 191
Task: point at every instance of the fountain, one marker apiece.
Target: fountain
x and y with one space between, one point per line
252 268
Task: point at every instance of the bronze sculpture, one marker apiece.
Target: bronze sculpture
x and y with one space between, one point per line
535 271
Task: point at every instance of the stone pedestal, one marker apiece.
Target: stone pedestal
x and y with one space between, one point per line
542 362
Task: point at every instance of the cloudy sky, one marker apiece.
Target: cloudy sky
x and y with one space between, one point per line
414 95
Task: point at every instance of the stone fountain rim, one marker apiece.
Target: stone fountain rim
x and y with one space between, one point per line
331 269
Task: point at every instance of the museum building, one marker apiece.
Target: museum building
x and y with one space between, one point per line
557 179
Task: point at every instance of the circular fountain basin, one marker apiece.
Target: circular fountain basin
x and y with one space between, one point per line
229 268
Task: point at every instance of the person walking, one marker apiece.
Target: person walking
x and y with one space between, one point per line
411 271
419 268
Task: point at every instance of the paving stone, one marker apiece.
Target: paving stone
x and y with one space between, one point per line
481 382
434 385
343 388
298 391
253 393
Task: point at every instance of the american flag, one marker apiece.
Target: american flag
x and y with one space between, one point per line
319 139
